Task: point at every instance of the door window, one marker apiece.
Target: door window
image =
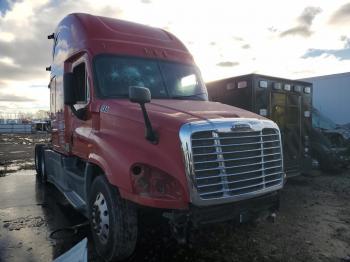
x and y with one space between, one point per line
81 86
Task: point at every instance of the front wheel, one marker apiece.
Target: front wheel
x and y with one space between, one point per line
113 221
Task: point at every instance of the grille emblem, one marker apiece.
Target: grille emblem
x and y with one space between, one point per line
241 127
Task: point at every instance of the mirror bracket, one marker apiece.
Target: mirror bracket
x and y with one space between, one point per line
142 95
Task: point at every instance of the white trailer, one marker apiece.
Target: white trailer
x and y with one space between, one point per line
331 96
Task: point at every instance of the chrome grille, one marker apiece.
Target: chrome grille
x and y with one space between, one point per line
234 163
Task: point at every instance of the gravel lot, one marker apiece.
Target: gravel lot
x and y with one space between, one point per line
312 225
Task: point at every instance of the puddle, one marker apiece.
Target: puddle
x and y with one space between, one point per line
17 152
22 168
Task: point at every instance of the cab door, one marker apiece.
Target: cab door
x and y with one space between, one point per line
81 128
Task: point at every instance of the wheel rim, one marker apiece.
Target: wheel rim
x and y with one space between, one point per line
100 218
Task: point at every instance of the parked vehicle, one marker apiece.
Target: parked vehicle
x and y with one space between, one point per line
284 101
114 150
330 143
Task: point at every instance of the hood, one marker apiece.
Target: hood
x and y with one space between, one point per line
167 112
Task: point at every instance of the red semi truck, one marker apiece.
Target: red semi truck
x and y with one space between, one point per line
114 150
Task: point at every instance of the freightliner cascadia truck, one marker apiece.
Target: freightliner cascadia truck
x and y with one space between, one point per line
287 102
132 129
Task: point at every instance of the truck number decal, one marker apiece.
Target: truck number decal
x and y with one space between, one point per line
104 109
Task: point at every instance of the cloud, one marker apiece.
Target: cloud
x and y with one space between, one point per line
298 30
237 38
246 46
146 1
29 48
227 64
23 72
309 15
341 16
38 86
304 23
14 98
2 84
341 54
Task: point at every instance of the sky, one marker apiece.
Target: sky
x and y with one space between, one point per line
290 39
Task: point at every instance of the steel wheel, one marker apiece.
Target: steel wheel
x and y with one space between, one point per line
113 221
100 218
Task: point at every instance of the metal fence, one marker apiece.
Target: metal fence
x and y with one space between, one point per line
16 128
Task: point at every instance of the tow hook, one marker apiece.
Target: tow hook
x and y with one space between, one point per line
180 226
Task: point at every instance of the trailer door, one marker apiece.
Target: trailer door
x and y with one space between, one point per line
285 111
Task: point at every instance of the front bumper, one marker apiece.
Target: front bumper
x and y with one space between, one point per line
240 211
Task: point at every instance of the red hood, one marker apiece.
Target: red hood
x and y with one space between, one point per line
174 113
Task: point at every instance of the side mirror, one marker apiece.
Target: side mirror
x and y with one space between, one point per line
68 89
139 95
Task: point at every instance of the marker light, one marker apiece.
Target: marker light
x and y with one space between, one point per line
277 86
230 86
242 84
263 84
297 88
307 90
263 112
287 87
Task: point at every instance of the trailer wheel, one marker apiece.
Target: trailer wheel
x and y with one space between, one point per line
113 221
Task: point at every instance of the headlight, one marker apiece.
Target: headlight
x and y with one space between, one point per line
152 182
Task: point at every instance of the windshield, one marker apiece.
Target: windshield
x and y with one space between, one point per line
165 80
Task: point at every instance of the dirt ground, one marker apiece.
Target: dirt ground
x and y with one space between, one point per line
16 151
313 223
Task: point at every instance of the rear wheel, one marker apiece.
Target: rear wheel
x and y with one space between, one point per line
113 221
38 158
40 162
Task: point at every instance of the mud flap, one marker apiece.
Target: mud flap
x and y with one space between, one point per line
77 253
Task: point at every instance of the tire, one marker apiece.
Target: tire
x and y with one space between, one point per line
40 166
113 221
43 167
38 158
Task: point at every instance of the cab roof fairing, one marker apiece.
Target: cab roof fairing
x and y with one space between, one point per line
101 35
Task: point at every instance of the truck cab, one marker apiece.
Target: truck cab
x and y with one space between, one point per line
132 128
